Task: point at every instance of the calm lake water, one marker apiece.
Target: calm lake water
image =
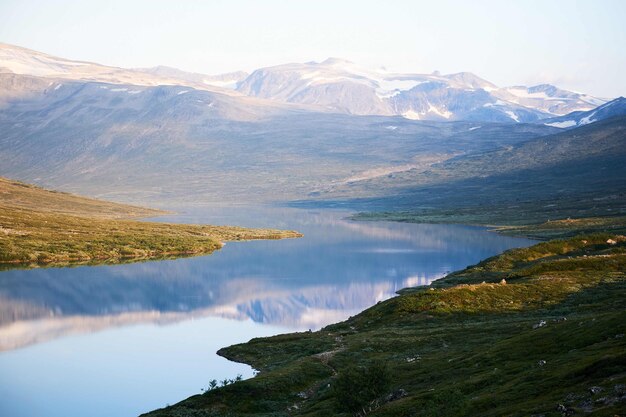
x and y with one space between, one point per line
125 339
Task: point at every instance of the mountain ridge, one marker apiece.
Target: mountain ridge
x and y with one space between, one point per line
336 85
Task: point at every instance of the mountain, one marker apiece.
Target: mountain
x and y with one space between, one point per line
573 173
548 98
334 85
288 132
613 108
342 86
177 144
228 80
18 60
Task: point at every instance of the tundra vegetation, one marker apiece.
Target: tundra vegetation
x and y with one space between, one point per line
40 227
532 331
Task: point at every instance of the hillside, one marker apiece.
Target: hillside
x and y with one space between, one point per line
175 144
21 196
576 173
533 331
40 227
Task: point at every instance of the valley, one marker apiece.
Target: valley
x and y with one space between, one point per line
416 285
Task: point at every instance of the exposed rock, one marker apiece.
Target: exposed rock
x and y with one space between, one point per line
564 410
541 362
540 324
594 390
396 395
611 242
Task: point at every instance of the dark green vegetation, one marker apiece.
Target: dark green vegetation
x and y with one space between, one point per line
515 225
40 227
548 187
533 331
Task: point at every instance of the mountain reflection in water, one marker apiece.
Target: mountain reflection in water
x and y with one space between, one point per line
337 269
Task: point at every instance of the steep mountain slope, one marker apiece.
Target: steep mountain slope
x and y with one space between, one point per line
613 108
345 87
174 143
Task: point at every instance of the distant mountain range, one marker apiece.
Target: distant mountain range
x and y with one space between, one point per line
344 87
146 144
165 136
334 85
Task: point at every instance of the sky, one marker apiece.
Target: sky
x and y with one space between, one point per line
577 45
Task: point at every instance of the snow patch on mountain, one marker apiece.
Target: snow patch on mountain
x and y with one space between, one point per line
562 125
512 115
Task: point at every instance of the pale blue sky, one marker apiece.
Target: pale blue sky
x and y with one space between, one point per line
577 45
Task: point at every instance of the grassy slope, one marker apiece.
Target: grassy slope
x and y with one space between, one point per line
572 174
18 195
45 227
511 225
465 347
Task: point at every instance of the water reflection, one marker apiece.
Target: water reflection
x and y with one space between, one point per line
338 269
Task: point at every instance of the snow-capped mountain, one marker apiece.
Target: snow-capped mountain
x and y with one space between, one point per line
343 86
334 85
18 60
613 108
549 98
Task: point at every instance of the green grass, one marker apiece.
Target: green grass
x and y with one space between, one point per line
518 220
44 228
468 346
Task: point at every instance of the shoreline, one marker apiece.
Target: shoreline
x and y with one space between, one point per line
429 330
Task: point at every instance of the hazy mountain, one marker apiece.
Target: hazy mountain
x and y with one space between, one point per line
18 60
334 85
342 86
228 80
548 98
613 108
137 143
292 139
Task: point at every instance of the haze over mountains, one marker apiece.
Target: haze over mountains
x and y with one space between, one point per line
328 130
342 86
335 85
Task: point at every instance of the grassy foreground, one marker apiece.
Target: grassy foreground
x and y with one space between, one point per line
40 227
534 331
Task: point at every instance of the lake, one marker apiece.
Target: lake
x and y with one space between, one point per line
120 340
